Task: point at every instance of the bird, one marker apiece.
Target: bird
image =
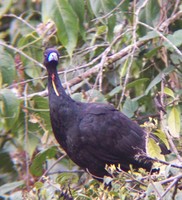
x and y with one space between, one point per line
93 134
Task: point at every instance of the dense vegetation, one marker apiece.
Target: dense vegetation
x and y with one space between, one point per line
124 52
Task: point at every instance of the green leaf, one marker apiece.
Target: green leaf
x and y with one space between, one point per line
152 52
32 143
38 185
5 6
96 6
169 92
150 35
67 23
77 96
7 164
41 107
96 96
10 108
9 187
175 38
130 107
151 13
124 69
153 150
66 178
111 26
102 6
33 71
174 121
176 59
37 165
79 8
116 90
137 83
158 78
155 81
7 67
162 136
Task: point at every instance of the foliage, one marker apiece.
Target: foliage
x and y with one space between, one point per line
127 53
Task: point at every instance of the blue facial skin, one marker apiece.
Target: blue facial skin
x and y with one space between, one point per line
53 56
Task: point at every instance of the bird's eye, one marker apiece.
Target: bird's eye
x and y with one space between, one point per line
53 56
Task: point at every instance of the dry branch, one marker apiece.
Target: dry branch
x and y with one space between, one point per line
109 60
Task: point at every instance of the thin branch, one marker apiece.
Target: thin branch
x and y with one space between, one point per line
52 166
26 137
162 36
170 20
171 179
124 52
177 3
136 19
108 14
22 53
166 163
170 186
20 19
110 59
173 147
154 187
66 171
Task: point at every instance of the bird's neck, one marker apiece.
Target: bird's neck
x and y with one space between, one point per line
56 91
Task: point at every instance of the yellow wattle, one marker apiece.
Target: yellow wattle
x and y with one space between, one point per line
55 89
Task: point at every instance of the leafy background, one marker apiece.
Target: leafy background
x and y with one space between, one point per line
127 53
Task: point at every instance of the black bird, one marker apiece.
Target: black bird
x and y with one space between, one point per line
93 134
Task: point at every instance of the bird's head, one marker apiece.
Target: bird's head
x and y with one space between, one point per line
51 57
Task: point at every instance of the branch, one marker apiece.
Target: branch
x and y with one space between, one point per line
166 163
20 19
132 51
105 60
22 53
26 138
66 171
170 20
48 170
171 179
109 60
162 36
175 181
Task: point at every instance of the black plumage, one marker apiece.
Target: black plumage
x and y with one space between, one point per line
92 134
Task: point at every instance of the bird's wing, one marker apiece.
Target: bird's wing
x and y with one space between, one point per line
108 134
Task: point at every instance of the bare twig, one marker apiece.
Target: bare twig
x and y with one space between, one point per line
20 19
177 2
110 13
48 170
26 137
173 147
175 180
171 179
22 53
154 187
66 171
170 20
110 59
166 163
162 36
136 19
